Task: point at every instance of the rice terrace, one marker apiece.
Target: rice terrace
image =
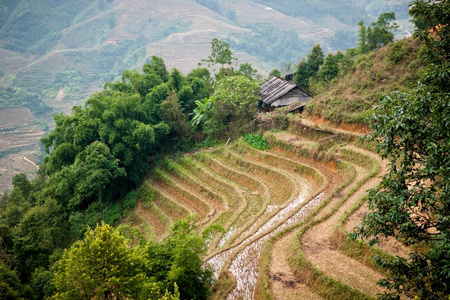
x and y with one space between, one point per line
284 211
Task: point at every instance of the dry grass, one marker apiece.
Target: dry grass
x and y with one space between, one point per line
351 98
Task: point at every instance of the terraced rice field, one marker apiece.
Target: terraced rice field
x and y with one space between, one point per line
19 137
285 213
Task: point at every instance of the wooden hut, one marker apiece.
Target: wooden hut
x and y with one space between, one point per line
277 92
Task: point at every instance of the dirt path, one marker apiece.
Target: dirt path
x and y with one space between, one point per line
321 125
61 94
31 162
284 284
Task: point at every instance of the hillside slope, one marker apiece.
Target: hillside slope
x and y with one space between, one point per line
351 98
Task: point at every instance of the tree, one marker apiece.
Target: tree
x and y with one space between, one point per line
377 35
330 68
158 67
102 267
308 68
302 75
42 229
177 259
21 181
275 72
10 285
382 31
247 70
235 106
94 169
412 202
220 53
315 58
362 42
175 117
201 111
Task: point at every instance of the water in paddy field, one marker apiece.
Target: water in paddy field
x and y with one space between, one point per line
244 266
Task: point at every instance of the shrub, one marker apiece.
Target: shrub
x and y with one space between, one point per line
398 52
130 201
256 141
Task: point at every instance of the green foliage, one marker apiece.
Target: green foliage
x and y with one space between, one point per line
412 201
275 72
102 266
177 259
126 117
379 34
398 52
307 69
10 285
201 111
235 103
257 141
212 230
12 97
220 53
130 201
94 157
175 118
331 67
247 70
157 67
114 212
94 169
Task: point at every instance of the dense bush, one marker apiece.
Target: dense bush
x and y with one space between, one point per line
257 141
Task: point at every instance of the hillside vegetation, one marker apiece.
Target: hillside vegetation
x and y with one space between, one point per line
352 96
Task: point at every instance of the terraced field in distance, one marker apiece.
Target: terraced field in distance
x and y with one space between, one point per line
20 132
286 212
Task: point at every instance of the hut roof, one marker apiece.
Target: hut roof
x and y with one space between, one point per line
274 88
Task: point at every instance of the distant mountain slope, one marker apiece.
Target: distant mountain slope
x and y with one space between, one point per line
99 39
35 26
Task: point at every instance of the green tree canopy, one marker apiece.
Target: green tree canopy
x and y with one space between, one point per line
177 259
235 106
275 72
377 35
308 68
102 267
220 53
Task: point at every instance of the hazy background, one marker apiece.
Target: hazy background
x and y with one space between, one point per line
54 53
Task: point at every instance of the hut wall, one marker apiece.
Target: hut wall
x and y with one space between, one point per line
293 96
